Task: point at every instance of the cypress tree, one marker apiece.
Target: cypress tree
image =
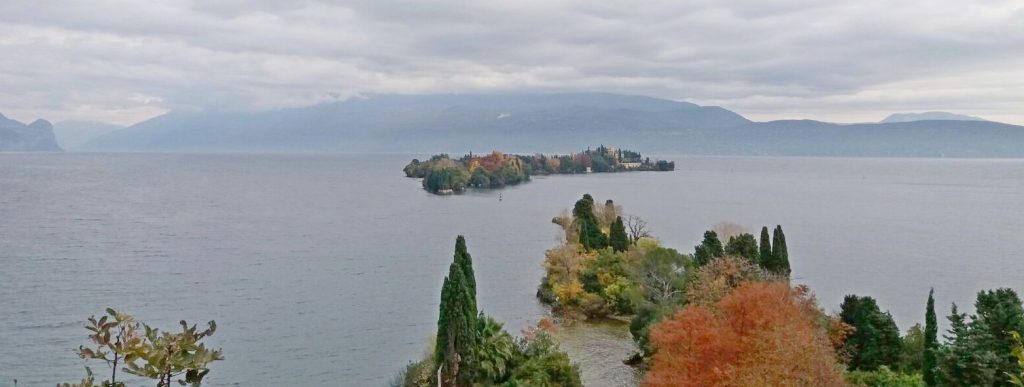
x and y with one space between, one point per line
456 325
465 263
617 237
766 247
780 254
931 342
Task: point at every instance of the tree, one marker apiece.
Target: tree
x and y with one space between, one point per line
127 340
965 360
931 342
761 334
591 236
617 237
780 254
742 245
708 249
999 313
149 352
979 349
637 228
912 356
875 341
766 248
465 263
661 274
456 325
165 356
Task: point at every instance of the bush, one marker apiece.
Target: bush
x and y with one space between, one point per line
884 377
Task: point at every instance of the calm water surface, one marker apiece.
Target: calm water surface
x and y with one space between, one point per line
326 269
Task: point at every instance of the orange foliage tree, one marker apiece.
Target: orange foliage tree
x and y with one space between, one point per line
760 334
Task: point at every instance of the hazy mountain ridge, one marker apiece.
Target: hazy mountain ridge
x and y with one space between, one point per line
73 134
552 123
929 116
37 136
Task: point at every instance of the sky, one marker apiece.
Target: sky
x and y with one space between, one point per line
844 61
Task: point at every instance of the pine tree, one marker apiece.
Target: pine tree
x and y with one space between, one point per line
931 342
456 325
617 237
766 248
708 249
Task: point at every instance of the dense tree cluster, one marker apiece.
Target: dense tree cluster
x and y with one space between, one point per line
442 174
473 349
773 256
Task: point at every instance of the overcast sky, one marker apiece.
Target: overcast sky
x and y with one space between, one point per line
845 61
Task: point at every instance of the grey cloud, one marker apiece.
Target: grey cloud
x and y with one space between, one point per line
833 60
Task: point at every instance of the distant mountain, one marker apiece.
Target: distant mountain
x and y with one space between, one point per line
73 134
928 116
526 122
551 123
16 136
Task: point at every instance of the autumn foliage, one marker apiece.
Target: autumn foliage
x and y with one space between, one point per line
760 334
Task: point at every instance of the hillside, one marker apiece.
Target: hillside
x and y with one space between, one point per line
16 136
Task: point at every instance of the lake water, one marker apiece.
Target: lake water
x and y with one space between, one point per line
326 269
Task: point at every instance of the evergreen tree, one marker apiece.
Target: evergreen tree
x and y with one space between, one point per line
743 245
999 312
617 237
465 262
875 340
931 342
780 254
456 326
965 360
591 236
766 248
708 249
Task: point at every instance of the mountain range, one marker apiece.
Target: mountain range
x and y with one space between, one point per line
16 136
554 123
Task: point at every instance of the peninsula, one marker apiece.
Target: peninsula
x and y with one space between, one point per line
444 175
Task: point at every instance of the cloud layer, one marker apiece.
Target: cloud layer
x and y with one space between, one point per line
124 61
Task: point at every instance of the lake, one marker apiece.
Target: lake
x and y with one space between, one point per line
327 269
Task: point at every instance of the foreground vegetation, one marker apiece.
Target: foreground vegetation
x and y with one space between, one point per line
726 314
442 174
472 349
129 346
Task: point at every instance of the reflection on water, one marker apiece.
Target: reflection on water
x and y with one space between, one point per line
599 348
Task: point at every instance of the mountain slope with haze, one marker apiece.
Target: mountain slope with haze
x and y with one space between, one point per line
550 123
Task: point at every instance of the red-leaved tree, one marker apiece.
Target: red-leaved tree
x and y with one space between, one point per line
760 334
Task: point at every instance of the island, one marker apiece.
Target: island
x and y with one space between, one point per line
445 175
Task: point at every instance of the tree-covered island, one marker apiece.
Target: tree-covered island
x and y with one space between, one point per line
443 174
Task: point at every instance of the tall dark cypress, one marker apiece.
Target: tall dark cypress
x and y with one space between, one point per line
465 263
617 237
931 343
780 254
766 248
456 323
